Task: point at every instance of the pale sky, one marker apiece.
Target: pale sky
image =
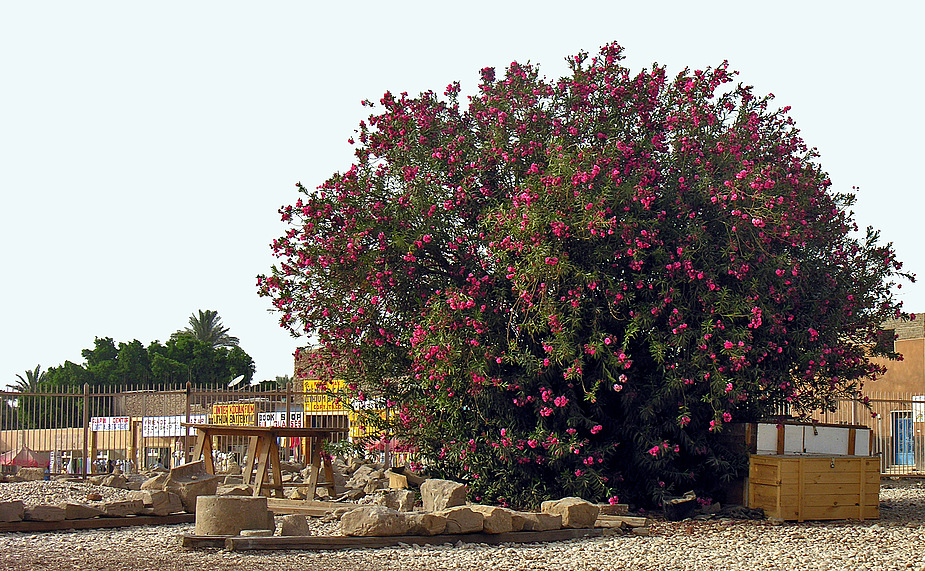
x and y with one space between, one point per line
146 147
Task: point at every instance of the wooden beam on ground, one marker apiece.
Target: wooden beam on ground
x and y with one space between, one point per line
322 543
97 523
312 508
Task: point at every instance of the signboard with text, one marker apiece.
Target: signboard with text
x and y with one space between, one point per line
239 414
277 419
110 423
318 403
154 426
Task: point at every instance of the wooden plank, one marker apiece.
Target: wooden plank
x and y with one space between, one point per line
97 523
319 543
852 440
820 513
780 438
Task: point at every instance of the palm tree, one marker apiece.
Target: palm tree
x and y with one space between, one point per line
29 384
208 328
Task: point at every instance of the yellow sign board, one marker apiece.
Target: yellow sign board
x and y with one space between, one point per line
317 402
238 414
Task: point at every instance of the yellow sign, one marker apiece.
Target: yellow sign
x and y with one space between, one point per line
239 414
317 402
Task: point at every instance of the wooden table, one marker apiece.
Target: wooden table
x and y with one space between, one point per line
263 451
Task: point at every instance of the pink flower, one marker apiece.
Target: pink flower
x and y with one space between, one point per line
613 500
654 450
727 417
571 431
728 345
597 428
545 411
561 401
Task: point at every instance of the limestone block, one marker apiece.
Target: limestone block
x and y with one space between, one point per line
233 479
294 524
374 521
575 512
235 490
12 511
256 533
229 515
155 483
442 494
158 502
424 523
115 481
496 520
541 521
191 481
122 508
398 500
31 474
462 519
44 512
80 511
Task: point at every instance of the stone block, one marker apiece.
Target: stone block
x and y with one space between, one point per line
30 474
115 481
424 523
442 494
398 500
44 512
122 508
12 511
374 521
495 519
235 490
462 519
294 524
576 513
229 515
80 511
158 502
155 483
191 481
541 521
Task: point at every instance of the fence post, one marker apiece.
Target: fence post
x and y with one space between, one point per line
86 453
288 401
189 404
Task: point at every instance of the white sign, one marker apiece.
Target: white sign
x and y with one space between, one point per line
109 423
277 419
154 426
918 408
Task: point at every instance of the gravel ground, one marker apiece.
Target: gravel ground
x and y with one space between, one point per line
896 541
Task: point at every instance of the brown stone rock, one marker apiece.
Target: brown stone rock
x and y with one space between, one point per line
442 494
496 520
80 511
155 483
462 519
576 512
115 481
94 497
30 474
374 521
44 513
235 490
398 500
191 481
12 511
424 523
229 515
541 521
293 524
158 502
122 508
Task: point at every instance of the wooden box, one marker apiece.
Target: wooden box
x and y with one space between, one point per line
815 487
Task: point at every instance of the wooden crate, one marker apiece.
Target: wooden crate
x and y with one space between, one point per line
813 487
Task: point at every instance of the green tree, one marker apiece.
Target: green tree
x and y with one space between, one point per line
207 327
30 383
571 286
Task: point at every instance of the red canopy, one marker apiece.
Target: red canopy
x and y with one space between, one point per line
24 457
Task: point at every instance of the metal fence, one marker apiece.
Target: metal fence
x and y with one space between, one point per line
93 429
897 423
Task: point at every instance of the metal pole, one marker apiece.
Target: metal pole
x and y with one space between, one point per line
86 423
186 452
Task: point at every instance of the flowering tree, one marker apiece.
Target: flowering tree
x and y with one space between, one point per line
571 286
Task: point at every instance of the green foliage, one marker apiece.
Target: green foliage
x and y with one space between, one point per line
207 327
571 286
